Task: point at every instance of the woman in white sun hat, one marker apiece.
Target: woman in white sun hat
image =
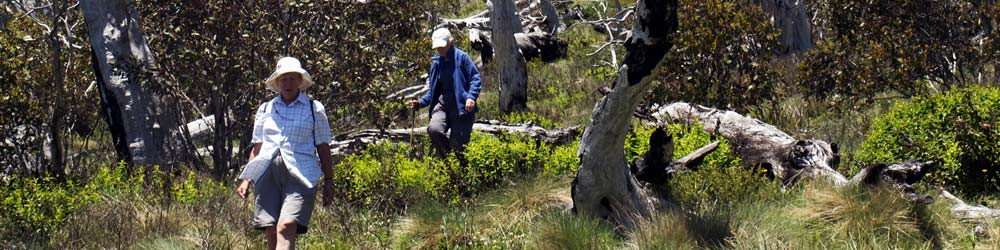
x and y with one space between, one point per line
291 153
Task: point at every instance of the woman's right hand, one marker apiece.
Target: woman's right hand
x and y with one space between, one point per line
242 190
414 103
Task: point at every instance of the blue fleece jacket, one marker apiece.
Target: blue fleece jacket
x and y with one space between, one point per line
465 79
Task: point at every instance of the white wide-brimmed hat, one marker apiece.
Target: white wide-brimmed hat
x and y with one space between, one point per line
440 38
288 65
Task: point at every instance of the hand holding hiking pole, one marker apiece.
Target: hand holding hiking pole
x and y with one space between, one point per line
413 118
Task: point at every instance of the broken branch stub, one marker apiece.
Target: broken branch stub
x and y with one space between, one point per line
759 143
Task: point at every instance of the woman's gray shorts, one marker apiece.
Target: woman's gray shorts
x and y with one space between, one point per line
282 195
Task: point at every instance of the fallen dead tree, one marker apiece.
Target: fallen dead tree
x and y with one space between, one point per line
536 38
759 143
792 160
354 142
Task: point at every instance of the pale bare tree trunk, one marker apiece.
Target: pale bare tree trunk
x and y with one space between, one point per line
791 18
513 75
604 186
551 16
140 122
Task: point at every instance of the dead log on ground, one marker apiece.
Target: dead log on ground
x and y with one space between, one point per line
965 211
759 143
354 142
793 160
900 176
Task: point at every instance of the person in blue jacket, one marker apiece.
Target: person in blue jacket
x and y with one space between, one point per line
454 86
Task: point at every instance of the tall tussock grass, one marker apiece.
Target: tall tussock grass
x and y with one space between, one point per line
858 216
209 217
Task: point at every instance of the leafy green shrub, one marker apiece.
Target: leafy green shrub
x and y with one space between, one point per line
491 159
32 208
637 141
384 173
722 56
563 160
720 181
36 209
960 129
194 189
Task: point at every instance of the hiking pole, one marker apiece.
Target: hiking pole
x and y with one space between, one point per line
413 123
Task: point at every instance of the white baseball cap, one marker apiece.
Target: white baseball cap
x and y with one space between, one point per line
440 38
288 65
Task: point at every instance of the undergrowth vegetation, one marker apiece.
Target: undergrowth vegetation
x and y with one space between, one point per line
512 194
958 129
388 175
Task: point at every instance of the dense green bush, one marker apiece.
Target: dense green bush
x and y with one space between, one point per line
492 159
384 174
876 46
31 209
958 129
722 56
563 160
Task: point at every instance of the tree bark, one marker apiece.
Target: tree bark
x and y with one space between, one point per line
551 16
604 187
512 73
656 166
54 138
220 153
790 17
141 123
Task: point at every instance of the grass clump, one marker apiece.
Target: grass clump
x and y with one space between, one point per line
859 217
502 219
561 230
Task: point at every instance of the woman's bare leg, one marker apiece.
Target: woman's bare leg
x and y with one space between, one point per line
271 236
286 234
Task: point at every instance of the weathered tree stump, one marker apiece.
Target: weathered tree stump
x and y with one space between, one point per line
604 187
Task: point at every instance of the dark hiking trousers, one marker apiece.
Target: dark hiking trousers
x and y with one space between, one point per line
444 118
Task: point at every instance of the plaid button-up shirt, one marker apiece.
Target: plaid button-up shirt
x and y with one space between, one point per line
291 130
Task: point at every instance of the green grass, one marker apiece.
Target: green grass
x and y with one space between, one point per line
530 212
